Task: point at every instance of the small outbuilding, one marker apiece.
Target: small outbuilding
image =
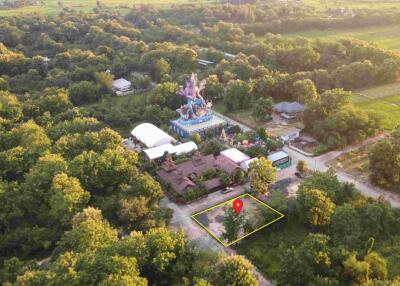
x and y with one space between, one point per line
291 134
288 110
204 63
150 135
121 86
280 159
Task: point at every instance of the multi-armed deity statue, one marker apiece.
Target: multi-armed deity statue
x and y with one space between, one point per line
196 110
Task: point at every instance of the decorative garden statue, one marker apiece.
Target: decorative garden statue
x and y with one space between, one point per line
196 110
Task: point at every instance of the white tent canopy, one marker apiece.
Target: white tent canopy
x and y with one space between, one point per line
235 155
185 148
151 136
159 151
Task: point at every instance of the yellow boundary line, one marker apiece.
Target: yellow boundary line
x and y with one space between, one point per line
226 202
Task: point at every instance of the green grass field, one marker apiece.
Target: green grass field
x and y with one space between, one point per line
382 99
53 7
354 4
385 36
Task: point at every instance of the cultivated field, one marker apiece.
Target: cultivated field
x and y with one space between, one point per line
382 99
355 163
354 4
54 7
384 36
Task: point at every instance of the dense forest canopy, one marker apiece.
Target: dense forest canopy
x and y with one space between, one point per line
70 192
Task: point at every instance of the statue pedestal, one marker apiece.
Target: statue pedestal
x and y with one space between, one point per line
201 126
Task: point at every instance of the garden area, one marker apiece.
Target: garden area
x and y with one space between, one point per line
355 163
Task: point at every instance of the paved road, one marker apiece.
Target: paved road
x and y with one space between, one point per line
320 164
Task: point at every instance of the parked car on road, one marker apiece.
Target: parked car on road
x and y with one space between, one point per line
227 190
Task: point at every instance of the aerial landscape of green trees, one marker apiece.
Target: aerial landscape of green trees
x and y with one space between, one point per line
79 209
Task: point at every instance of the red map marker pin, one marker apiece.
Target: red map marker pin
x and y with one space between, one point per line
237 205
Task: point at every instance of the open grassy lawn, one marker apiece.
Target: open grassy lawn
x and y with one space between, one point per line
382 99
53 7
385 36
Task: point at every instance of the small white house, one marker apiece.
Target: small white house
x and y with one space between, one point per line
291 134
121 86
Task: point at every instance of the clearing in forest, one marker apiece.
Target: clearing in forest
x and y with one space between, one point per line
255 215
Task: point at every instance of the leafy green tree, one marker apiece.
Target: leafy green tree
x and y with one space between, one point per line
315 207
311 260
323 181
213 89
346 226
70 146
262 175
202 282
239 176
89 232
197 138
83 92
54 101
164 247
105 172
384 164
68 198
225 179
160 69
76 125
10 107
305 91
211 147
235 270
302 167
237 95
262 109
264 87
104 81
372 267
166 95
233 223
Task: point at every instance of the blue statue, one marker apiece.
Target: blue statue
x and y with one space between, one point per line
196 110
